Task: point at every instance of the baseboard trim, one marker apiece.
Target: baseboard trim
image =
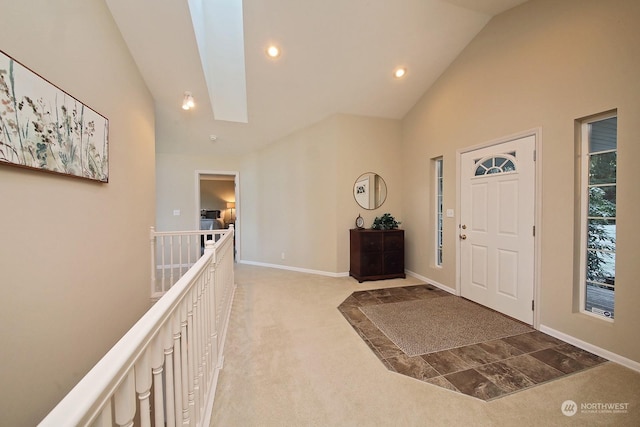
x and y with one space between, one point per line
297 269
431 282
621 360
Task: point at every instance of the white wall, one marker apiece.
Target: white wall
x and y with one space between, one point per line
366 144
74 254
297 193
176 187
288 201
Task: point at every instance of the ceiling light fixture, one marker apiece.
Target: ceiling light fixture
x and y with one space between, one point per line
273 51
187 102
400 72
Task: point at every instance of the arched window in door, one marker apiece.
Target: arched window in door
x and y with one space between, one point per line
497 164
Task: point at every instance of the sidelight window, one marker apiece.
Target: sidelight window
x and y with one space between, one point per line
599 145
439 210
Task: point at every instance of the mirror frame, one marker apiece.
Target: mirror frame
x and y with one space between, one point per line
370 191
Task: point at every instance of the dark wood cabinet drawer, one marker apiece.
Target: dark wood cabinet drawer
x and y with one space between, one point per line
394 242
371 242
372 263
376 254
393 263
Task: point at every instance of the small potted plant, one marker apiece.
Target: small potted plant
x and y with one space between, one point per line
385 222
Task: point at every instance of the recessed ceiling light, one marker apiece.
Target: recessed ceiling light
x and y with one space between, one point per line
273 51
400 72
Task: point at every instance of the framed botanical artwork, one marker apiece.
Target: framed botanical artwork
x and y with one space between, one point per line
42 127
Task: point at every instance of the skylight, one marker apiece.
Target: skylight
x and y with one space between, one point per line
219 31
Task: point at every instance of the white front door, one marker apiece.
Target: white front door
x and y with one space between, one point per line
497 212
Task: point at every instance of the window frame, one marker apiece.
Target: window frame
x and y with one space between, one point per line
439 210
585 157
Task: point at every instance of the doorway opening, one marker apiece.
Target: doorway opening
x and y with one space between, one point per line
218 201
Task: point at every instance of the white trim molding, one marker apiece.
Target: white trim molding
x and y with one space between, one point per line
298 269
431 282
621 360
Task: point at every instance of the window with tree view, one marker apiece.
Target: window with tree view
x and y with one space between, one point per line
599 164
439 212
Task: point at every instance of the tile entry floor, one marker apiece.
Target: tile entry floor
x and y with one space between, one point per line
486 370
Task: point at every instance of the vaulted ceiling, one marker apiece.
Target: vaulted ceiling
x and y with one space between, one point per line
337 56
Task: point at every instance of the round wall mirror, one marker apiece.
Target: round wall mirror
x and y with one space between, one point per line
370 190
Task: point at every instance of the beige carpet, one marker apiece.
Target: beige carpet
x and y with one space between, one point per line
292 360
436 324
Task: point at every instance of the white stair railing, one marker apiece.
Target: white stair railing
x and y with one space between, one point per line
174 252
165 369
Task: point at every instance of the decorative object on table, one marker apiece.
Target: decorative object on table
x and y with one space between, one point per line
44 128
385 222
359 222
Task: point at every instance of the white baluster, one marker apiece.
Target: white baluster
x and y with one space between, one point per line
201 344
206 327
196 351
174 324
171 267
162 256
179 260
188 250
207 320
157 366
184 342
191 353
152 240
143 388
169 378
202 338
213 316
125 401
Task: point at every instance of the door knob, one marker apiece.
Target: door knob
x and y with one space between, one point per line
464 226
463 236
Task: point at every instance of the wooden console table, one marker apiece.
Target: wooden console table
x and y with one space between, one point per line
376 254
